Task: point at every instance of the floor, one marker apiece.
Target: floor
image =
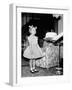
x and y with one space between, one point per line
41 72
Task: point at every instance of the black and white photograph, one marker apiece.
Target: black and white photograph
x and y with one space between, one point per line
41 44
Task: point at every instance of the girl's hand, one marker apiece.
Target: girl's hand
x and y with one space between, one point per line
44 54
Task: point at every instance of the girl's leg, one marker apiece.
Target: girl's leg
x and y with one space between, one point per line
34 68
31 65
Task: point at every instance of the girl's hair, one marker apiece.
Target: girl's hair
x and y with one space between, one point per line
31 26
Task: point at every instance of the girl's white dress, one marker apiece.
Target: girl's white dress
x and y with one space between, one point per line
33 51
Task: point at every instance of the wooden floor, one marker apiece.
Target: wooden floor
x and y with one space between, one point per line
42 72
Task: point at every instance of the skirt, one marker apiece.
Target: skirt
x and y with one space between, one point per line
33 52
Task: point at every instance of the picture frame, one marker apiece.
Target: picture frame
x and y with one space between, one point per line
15 78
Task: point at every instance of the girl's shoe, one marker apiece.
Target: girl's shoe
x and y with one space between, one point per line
32 71
35 70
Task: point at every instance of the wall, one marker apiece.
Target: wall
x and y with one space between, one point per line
60 25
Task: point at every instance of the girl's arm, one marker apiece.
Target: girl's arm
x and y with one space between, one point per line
26 43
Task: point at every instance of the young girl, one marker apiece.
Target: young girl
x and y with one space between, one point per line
33 51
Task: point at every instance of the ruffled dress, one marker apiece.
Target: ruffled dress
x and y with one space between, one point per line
33 51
